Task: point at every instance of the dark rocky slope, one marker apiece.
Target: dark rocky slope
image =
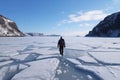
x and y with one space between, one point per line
109 27
8 28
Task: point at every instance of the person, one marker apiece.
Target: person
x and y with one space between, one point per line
61 45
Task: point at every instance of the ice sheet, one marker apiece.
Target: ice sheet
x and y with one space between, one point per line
37 58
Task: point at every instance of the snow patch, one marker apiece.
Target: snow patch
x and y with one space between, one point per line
39 70
107 57
87 59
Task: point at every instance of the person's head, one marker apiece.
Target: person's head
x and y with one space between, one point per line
61 37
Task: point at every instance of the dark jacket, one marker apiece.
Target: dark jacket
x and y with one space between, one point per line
61 43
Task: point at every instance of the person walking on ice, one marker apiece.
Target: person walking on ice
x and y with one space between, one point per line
61 45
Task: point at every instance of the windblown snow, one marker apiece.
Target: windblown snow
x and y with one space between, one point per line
37 58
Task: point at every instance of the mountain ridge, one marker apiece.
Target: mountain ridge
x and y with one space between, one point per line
109 27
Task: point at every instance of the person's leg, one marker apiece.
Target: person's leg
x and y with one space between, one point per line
61 50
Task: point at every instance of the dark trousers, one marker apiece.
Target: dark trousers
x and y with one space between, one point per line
61 50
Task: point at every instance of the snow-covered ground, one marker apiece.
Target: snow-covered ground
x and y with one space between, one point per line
37 58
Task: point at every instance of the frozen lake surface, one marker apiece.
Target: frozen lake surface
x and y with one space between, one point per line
37 58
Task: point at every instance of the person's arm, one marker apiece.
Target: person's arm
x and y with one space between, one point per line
64 43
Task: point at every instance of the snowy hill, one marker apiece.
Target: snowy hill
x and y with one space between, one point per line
8 28
34 34
109 27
